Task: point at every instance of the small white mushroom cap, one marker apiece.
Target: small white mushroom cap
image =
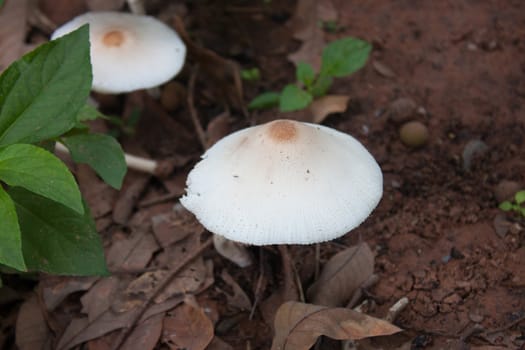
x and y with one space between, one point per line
129 52
284 182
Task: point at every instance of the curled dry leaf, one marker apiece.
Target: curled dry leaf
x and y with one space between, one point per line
298 325
342 275
233 251
326 105
187 327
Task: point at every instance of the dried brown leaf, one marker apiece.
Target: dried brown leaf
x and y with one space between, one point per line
56 289
81 330
326 105
172 227
219 344
298 325
133 252
233 251
187 327
31 328
342 275
239 298
305 27
146 336
13 17
99 298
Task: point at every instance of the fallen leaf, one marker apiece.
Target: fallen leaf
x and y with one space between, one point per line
98 195
170 228
133 252
238 299
188 328
81 330
305 26
146 336
99 298
233 251
31 328
326 105
219 344
13 18
342 275
298 325
56 289
134 185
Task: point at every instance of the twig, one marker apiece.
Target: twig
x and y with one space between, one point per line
158 290
396 309
193 112
258 292
505 327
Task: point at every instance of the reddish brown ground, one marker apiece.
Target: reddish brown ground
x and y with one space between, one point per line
434 232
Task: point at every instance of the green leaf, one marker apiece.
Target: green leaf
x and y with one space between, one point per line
41 172
305 74
345 56
56 239
293 98
42 93
519 197
506 206
321 85
88 112
265 100
102 152
10 238
1 4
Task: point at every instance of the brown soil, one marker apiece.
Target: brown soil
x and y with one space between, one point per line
439 238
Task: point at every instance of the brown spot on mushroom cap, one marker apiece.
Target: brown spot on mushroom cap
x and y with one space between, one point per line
113 38
282 131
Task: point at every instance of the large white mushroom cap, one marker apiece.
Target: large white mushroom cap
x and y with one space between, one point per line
284 182
129 52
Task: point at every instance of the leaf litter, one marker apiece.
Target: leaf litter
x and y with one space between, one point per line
298 325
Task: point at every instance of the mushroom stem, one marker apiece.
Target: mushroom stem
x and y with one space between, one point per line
141 164
136 6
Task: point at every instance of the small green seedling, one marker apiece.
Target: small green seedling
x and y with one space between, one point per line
45 224
517 205
340 58
251 74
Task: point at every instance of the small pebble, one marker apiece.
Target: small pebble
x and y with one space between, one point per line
414 134
472 149
401 110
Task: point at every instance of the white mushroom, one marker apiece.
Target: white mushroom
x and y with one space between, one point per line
284 182
129 52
